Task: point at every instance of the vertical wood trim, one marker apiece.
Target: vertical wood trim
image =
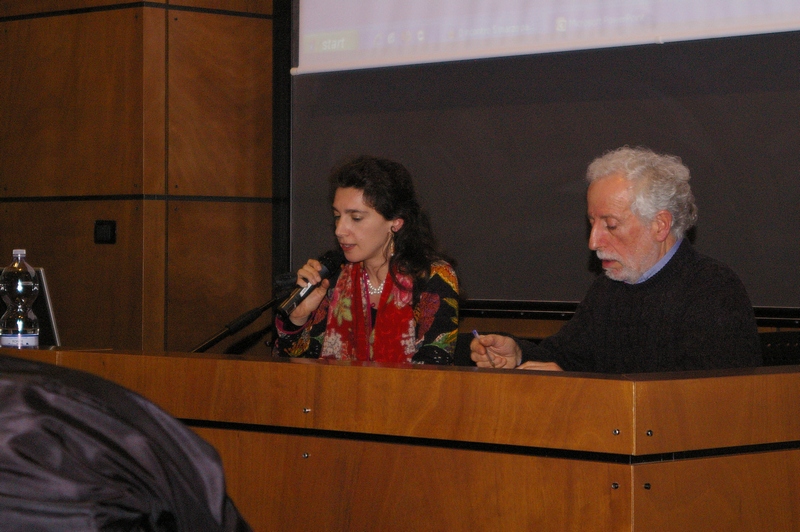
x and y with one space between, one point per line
154 104
154 285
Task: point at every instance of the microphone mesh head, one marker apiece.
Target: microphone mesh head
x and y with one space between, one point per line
331 261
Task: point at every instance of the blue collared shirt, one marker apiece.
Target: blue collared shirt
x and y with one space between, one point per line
655 268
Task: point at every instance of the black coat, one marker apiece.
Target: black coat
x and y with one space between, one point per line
78 452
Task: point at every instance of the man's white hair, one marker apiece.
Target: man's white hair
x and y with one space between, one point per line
660 183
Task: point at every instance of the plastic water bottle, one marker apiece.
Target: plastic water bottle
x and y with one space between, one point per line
19 286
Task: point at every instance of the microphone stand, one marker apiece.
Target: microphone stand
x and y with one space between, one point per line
235 326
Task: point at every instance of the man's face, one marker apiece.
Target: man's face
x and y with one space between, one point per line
626 247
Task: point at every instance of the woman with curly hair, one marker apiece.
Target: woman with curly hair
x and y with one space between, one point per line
396 298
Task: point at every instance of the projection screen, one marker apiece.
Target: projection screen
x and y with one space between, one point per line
350 34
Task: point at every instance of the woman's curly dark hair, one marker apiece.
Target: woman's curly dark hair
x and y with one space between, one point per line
388 188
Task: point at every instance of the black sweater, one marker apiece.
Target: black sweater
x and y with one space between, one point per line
693 314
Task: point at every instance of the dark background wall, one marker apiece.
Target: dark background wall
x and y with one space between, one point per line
499 149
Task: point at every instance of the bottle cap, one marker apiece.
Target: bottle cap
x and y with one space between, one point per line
18 252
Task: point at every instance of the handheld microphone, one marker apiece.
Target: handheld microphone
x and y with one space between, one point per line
331 262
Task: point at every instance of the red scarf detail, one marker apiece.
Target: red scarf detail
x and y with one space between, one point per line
350 333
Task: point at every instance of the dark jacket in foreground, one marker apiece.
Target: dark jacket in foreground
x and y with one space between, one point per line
78 452
693 314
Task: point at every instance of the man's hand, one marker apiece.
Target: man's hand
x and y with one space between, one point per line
495 351
540 366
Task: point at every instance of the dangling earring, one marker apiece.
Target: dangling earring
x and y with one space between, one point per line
391 242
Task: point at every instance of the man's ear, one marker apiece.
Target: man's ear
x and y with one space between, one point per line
662 225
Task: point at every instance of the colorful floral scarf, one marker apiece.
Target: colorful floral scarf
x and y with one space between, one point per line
350 333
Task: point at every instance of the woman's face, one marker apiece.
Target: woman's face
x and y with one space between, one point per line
362 232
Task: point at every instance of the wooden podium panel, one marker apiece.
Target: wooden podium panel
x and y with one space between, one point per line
198 387
471 405
709 410
337 483
314 445
461 404
753 491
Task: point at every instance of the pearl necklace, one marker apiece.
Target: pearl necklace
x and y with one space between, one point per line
375 291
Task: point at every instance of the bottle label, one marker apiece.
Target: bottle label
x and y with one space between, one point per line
19 340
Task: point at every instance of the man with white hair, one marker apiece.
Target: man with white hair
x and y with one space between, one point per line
661 305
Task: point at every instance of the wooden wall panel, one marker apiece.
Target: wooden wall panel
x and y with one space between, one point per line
739 492
94 103
25 7
220 266
71 120
344 484
220 100
154 110
10 8
96 289
262 7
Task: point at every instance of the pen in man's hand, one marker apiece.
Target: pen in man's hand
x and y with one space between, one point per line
488 354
